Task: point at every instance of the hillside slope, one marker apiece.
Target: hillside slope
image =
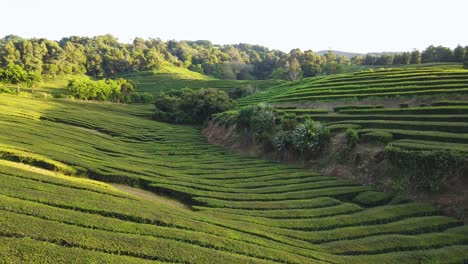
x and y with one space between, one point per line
242 209
171 77
386 83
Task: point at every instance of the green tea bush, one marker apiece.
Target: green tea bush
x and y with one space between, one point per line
352 136
372 198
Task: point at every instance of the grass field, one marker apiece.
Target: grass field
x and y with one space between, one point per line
239 209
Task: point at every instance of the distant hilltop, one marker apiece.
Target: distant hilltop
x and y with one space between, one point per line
354 54
340 53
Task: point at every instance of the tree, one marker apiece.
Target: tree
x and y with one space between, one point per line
32 79
293 69
459 54
14 74
154 59
202 103
415 57
405 58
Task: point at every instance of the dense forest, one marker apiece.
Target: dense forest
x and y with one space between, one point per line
104 56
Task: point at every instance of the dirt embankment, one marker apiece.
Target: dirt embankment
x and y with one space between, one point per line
366 163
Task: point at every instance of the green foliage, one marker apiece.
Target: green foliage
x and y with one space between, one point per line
118 90
372 198
189 106
258 119
400 82
288 122
13 74
429 169
202 103
352 136
226 118
309 136
377 137
243 209
242 91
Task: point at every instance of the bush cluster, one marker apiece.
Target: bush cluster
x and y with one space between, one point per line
119 90
258 119
188 106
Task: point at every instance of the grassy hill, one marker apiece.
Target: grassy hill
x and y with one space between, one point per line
171 77
238 209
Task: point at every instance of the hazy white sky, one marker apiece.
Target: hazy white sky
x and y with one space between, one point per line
349 25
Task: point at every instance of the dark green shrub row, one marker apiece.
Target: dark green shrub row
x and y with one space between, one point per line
348 107
367 95
449 103
433 110
377 136
453 127
410 144
413 117
421 135
372 198
429 169
367 90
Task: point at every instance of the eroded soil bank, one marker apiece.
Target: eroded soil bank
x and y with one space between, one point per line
366 164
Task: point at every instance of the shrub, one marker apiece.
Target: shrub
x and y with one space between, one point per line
351 136
227 118
188 106
288 122
259 119
372 198
241 91
309 136
143 98
428 169
167 103
202 103
113 90
378 136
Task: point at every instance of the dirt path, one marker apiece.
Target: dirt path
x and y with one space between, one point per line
150 196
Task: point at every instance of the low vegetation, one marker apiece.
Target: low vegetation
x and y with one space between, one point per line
188 106
243 209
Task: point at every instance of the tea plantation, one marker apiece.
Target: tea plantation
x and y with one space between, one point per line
398 82
238 209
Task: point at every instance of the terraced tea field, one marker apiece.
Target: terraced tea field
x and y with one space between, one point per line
239 209
367 84
178 78
440 126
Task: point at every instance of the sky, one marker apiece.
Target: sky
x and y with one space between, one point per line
346 25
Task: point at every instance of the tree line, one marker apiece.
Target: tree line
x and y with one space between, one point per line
429 55
104 57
